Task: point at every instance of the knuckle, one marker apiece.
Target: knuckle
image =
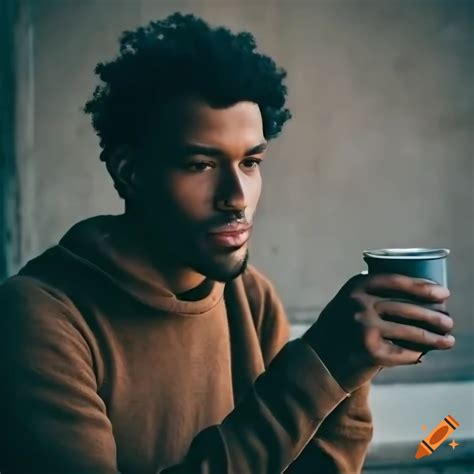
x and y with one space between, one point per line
382 306
424 336
358 296
360 317
429 289
398 280
394 354
409 310
397 349
418 313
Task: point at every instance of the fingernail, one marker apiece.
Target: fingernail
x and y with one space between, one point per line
448 322
450 338
440 291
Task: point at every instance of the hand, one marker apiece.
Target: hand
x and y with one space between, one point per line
361 329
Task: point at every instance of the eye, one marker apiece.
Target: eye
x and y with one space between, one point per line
198 166
252 163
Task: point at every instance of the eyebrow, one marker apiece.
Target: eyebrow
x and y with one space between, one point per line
195 149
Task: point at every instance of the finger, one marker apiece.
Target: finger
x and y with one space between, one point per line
412 346
395 355
387 354
416 335
416 287
440 307
402 312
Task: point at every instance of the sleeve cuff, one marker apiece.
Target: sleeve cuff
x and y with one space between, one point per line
326 371
299 367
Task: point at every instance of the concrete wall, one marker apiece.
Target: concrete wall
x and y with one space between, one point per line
379 152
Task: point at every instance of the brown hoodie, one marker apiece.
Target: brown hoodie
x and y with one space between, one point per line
104 370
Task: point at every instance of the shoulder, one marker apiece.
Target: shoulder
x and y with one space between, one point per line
30 307
39 326
29 292
50 280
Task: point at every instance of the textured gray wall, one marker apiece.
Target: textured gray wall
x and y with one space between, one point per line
379 153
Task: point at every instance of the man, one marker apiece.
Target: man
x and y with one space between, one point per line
144 343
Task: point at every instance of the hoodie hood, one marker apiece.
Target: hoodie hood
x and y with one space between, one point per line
105 244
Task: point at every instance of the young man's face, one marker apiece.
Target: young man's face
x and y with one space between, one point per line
201 174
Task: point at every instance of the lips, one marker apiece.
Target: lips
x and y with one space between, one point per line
230 228
230 236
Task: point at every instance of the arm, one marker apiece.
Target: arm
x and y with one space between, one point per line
54 421
341 443
51 416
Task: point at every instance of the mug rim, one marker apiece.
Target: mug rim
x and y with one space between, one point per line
416 253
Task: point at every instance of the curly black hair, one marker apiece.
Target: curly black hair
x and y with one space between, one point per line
182 56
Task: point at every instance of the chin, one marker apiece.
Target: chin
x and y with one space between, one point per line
224 270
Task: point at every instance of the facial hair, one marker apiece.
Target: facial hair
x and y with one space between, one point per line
221 271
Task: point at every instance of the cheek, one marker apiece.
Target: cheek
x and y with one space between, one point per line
191 197
253 192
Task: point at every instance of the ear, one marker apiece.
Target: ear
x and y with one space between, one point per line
121 165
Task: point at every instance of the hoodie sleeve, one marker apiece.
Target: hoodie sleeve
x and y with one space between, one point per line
51 415
340 444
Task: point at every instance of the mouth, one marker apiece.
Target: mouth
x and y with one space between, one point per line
229 239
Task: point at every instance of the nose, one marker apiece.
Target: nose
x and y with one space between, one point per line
231 195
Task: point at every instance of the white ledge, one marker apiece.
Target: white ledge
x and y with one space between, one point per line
400 410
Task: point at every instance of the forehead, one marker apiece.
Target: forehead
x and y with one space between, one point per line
193 120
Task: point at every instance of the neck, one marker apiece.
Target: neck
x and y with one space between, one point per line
181 280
